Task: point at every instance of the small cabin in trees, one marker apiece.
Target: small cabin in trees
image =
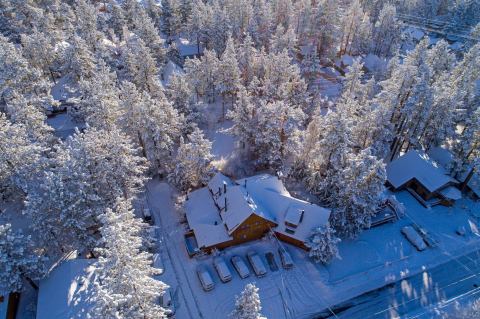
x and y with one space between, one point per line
227 213
424 178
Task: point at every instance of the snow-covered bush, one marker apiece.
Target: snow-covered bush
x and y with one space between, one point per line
248 305
323 244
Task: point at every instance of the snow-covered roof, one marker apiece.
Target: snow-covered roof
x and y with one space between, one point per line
186 48
262 195
204 219
271 194
418 165
240 206
63 294
451 192
445 158
218 181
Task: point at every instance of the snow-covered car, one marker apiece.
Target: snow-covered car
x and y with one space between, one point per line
166 302
158 263
147 216
287 261
205 278
257 263
240 266
222 269
414 238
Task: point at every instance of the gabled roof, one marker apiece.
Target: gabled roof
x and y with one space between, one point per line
218 181
418 165
240 206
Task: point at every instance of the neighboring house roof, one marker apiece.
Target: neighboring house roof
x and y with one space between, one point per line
445 158
63 294
261 195
418 165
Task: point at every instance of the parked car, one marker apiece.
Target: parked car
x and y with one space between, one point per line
240 266
205 278
147 216
166 302
271 261
222 269
158 263
286 258
414 238
257 264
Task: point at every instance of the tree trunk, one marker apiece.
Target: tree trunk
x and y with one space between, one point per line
467 179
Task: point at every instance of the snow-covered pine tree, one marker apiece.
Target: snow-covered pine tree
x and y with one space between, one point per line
17 75
323 244
99 105
88 172
124 286
20 158
284 40
227 74
160 126
19 260
142 67
358 194
386 32
277 125
201 74
192 162
23 112
79 60
243 116
145 28
86 24
248 304
39 51
182 96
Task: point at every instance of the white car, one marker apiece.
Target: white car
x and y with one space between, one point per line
222 269
287 261
257 264
240 266
166 302
158 263
414 238
205 278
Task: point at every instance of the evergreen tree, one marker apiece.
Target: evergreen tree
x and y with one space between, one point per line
358 193
323 244
228 74
192 162
21 160
79 60
19 260
248 305
88 172
124 286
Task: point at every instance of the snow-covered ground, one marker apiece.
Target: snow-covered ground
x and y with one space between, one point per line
379 256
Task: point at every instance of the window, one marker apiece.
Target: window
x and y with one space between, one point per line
290 231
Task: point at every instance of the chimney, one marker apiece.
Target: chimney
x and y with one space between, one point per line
219 191
301 215
225 204
224 187
245 182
